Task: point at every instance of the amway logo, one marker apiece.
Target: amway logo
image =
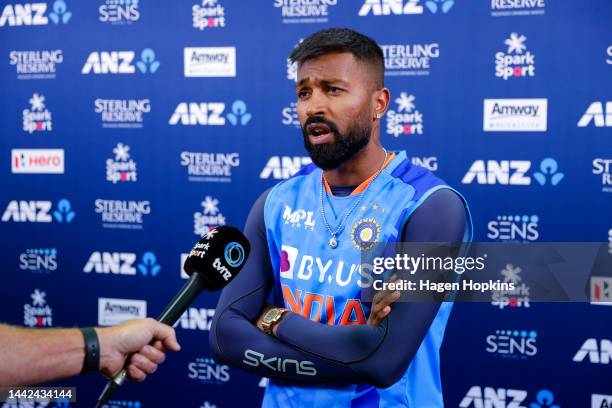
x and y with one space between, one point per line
37 161
515 115
209 61
114 311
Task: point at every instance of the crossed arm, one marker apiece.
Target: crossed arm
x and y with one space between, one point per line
338 354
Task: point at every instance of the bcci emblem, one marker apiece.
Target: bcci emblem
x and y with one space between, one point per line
365 233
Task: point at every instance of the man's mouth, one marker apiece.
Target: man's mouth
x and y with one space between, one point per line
319 133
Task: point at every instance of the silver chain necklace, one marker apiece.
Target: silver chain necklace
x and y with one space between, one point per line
333 241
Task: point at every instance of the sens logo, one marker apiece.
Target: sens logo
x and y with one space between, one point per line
255 359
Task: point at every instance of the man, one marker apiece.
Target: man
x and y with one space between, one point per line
319 351
33 356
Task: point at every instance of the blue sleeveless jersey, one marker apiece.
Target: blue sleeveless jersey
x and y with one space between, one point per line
323 284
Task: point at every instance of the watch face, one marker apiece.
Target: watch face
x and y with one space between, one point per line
271 316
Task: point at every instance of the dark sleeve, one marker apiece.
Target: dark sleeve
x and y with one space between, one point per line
234 339
367 349
345 354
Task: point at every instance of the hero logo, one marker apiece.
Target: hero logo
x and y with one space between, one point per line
255 359
24 15
295 218
513 172
595 113
283 167
38 211
196 319
489 397
114 311
37 161
597 355
38 117
203 113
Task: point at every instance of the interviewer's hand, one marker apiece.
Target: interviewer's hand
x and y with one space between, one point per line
381 304
134 336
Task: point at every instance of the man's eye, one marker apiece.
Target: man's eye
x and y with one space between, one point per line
302 94
333 89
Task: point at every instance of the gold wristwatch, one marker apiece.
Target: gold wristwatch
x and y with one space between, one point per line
271 318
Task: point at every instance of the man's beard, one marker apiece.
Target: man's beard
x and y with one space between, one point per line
329 156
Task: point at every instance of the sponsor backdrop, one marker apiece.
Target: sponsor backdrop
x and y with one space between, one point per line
131 129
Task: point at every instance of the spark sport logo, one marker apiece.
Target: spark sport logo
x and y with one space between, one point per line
209 218
38 117
208 14
406 119
516 62
39 313
39 64
122 168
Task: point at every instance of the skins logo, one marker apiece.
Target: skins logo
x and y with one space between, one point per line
255 359
365 233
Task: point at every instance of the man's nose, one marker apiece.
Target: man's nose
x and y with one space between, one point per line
316 105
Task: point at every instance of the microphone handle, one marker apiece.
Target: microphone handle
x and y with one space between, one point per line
177 306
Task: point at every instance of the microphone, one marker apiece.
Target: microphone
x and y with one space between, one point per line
214 261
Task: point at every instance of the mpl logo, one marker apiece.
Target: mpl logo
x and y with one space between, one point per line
196 319
516 344
210 114
36 64
125 214
208 14
305 11
38 260
122 113
514 228
206 371
290 116
406 119
513 172
597 353
409 59
283 167
120 62
122 168
595 113
209 218
515 115
38 314
519 297
429 162
601 401
213 167
38 211
404 7
33 14
209 61
38 117
37 161
504 8
490 397
115 311
119 12
601 290
122 263
601 167
299 218
513 63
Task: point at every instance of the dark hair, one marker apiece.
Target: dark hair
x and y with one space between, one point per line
331 40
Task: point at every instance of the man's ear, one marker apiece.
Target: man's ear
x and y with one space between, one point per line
380 102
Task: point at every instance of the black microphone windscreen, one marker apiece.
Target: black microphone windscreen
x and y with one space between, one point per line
218 256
